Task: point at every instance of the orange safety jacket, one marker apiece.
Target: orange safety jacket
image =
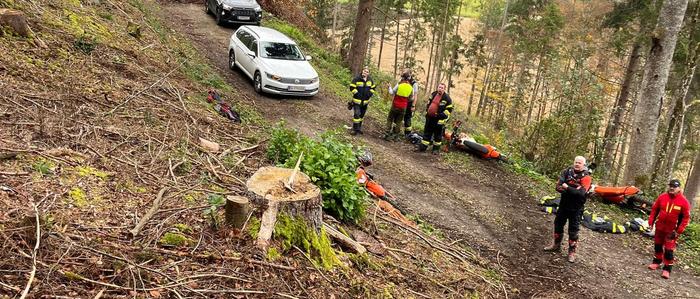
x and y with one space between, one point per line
374 189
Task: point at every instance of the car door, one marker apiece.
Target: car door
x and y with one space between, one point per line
252 46
243 38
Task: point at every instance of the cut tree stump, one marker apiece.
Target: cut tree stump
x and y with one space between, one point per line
237 209
266 188
16 20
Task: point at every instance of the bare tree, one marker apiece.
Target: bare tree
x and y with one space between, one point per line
692 184
646 115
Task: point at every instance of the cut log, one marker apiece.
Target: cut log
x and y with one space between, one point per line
344 240
237 209
16 20
266 189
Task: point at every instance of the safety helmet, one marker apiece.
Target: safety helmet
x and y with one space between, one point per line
365 158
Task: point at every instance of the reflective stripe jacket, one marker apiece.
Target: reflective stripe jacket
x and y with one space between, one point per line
444 109
670 213
362 89
402 93
573 197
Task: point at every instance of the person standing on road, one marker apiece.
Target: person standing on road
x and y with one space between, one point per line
403 92
438 111
362 88
408 116
671 212
573 185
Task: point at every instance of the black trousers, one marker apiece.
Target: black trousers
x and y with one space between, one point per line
432 133
358 114
574 219
407 118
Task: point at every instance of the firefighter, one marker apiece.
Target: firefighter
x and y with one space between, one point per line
438 111
573 185
408 116
362 88
403 92
671 212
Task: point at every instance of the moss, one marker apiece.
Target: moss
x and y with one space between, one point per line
253 227
73 276
362 262
78 197
174 239
191 197
294 232
273 254
183 228
84 171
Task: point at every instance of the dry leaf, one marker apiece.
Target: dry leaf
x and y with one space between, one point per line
154 293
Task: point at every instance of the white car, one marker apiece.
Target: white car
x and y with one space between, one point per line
273 61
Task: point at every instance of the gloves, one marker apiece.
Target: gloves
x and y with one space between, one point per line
350 105
673 235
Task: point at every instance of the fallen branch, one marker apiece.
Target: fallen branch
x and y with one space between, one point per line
128 99
14 173
156 205
346 241
34 252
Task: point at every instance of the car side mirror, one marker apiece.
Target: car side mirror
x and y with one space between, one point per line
308 57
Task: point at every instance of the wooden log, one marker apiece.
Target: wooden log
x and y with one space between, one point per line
266 189
237 209
16 20
344 240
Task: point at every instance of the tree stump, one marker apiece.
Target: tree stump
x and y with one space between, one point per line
237 209
266 189
16 20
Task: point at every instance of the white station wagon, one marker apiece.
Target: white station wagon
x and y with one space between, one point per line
273 61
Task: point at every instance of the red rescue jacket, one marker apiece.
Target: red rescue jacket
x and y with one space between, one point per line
670 213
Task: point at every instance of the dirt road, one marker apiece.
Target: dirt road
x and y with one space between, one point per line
485 207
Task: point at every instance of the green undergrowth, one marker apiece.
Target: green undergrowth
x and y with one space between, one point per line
293 232
689 252
330 163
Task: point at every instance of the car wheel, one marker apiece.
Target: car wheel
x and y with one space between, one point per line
232 60
257 82
219 20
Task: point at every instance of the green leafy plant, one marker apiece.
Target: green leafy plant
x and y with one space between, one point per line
215 201
85 44
330 163
44 167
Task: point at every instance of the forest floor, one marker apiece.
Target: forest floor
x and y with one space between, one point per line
480 203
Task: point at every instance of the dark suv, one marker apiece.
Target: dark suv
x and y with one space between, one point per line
234 11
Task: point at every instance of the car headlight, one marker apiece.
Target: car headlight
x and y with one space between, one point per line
314 80
258 9
273 77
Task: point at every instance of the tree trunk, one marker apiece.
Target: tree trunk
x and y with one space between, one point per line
535 89
646 115
692 184
396 48
428 86
266 189
688 98
409 38
358 47
381 43
471 94
618 112
336 7
16 20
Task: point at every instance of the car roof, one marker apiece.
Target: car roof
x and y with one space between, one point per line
268 34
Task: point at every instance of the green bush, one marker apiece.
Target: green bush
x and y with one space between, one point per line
330 163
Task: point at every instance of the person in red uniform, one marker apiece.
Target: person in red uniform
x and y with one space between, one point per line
671 212
573 184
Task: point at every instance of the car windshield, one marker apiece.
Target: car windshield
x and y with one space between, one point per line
280 51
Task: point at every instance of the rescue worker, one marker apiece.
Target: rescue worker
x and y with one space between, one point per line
408 116
671 212
362 88
366 180
573 185
438 111
403 92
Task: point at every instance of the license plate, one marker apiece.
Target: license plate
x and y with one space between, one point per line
296 88
244 18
